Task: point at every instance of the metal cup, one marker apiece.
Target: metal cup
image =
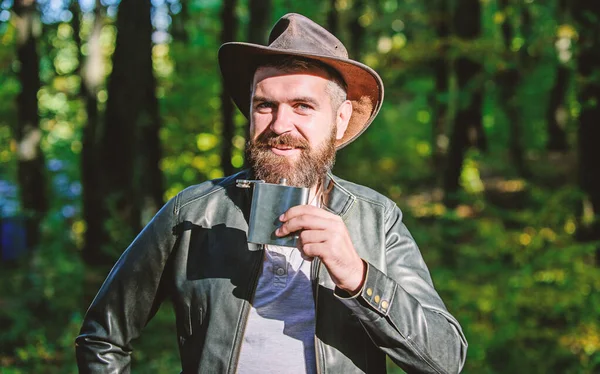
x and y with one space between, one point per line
269 201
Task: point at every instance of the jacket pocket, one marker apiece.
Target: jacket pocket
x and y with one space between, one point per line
189 338
191 321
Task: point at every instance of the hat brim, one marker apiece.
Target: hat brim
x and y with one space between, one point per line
365 88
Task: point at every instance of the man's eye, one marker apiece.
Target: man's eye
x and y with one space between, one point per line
263 106
303 106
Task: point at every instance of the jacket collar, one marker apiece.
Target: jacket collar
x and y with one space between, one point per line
338 200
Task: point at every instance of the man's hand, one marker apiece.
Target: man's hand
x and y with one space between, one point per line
324 235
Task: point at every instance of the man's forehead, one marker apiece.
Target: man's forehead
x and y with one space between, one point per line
297 75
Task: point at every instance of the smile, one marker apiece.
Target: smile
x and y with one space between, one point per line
284 150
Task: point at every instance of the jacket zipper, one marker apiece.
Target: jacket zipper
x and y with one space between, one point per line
315 278
246 314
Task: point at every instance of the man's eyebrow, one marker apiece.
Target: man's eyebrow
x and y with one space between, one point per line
301 99
306 99
259 98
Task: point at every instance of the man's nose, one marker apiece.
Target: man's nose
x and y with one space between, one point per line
283 120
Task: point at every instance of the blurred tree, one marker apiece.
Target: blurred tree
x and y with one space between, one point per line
178 27
258 29
260 20
467 26
92 76
228 31
75 9
332 18
587 16
31 165
357 31
129 144
439 17
557 114
508 79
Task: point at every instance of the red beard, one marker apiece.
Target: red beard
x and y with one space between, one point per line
304 171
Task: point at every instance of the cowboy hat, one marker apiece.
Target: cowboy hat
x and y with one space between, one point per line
296 35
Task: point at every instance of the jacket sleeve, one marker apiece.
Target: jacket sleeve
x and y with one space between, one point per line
128 299
402 312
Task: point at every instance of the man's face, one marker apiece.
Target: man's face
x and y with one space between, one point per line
293 127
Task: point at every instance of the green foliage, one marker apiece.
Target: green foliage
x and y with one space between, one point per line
42 305
524 289
9 88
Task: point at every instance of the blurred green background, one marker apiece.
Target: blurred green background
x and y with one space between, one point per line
487 140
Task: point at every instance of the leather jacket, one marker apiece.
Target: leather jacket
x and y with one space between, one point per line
195 253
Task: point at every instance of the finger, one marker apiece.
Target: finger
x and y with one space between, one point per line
314 250
300 210
304 222
313 236
306 257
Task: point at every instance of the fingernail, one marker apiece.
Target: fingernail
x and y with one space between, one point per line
281 217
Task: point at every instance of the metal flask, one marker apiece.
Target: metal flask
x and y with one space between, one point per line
269 201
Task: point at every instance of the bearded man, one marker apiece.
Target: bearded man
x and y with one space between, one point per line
353 291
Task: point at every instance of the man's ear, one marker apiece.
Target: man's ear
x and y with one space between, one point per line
342 118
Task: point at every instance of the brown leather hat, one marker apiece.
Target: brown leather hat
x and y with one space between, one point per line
296 35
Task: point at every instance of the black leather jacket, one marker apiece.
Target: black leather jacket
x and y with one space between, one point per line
195 253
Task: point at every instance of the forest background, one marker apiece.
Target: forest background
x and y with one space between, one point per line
486 140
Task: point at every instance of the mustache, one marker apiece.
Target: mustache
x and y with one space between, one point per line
271 139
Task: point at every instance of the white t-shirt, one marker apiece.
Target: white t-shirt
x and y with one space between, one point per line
279 334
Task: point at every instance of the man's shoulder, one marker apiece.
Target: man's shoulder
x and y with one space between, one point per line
363 193
203 190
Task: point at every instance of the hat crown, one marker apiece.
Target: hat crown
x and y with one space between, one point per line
295 32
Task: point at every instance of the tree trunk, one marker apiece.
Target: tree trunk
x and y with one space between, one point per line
258 30
333 18
587 15
260 17
76 25
357 31
149 175
228 31
557 113
441 69
179 25
148 182
91 72
31 165
128 145
467 26
508 82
